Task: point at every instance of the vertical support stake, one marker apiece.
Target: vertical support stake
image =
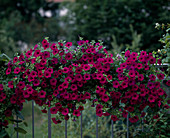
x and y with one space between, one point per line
17 127
65 128
128 125
49 123
96 126
32 119
112 127
142 125
81 124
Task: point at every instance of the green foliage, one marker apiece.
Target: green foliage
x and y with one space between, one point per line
3 60
105 18
20 130
22 25
158 128
164 52
135 44
7 44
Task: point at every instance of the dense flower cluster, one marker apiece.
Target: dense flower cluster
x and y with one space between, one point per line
57 76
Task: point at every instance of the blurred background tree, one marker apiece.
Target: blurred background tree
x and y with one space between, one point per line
24 23
101 19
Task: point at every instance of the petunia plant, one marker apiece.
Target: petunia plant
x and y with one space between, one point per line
63 77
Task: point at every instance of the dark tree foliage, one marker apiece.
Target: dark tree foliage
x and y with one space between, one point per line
23 22
100 19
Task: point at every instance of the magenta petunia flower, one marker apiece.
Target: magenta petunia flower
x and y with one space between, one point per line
152 60
160 91
87 76
132 73
47 74
146 67
30 90
143 53
151 99
45 45
99 112
21 85
30 78
168 83
55 51
114 118
10 84
78 70
74 96
29 53
160 76
53 81
124 84
46 54
53 110
135 87
17 70
58 105
87 95
53 46
78 77
65 95
65 111
133 119
81 108
1 87
103 80
36 82
139 66
159 61
15 59
8 71
86 67
157 84
127 53
68 56
81 42
76 113
116 84
109 77
68 44
26 94
119 70
65 84
105 97
135 96
124 114
73 87
152 77
140 77
143 93
156 117
150 85
41 94
8 113
2 97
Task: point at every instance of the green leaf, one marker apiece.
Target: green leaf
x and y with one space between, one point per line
20 130
17 121
3 133
25 123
